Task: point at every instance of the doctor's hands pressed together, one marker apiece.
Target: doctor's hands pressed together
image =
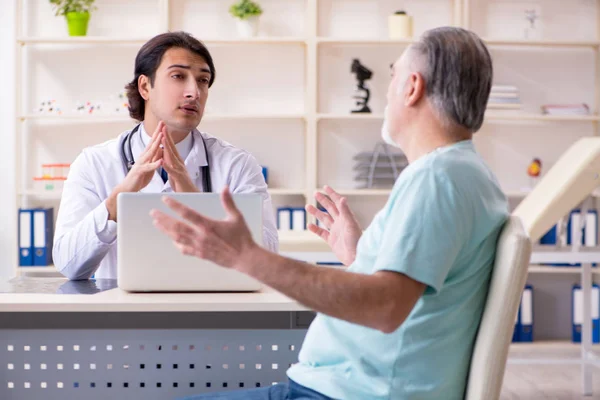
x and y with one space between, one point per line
141 173
174 165
160 152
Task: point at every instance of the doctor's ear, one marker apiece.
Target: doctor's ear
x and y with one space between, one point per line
144 87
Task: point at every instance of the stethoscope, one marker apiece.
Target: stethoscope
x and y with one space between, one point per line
128 161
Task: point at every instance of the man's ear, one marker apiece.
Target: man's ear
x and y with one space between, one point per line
415 89
144 86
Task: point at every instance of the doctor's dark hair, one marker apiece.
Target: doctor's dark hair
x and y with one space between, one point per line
148 59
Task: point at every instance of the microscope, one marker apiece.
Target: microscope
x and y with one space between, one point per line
363 93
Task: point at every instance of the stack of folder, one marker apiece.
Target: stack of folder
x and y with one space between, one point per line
291 219
524 322
588 234
504 97
36 232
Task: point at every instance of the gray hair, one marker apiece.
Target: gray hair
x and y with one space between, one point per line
457 69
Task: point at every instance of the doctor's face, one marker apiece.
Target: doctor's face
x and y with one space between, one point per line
180 90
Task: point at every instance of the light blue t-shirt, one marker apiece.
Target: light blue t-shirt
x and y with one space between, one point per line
439 227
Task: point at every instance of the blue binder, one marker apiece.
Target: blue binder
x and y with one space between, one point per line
523 331
526 315
298 218
291 219
589 234
577 313
550 237
284 219
25 238
43 234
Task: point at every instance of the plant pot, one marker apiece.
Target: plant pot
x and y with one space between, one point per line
77 23
247 27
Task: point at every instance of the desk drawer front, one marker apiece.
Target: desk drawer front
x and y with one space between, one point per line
144 364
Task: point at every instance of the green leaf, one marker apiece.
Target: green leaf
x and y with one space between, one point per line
62 7
245 9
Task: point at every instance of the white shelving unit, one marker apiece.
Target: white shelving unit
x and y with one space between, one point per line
312 40
308 123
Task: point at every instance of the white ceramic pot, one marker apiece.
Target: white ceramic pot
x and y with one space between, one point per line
400 26
247 27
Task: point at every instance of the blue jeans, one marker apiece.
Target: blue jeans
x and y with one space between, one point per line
282 391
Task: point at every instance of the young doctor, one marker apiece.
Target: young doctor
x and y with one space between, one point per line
163 153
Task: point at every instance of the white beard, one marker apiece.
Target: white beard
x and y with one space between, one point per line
385 132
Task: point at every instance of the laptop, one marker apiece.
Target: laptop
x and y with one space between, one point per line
147 259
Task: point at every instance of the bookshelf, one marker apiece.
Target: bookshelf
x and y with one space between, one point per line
323 29
319 42
316 127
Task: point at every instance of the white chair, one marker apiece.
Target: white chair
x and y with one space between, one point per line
495 331
570 181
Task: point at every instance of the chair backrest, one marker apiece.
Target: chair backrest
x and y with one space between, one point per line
497 323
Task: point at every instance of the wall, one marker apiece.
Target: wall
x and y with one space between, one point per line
8 243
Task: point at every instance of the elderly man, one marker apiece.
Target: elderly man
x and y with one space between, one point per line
400 322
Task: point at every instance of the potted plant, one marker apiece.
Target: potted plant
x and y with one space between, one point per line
246 13
77 14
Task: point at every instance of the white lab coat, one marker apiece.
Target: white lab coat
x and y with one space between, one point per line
85 242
